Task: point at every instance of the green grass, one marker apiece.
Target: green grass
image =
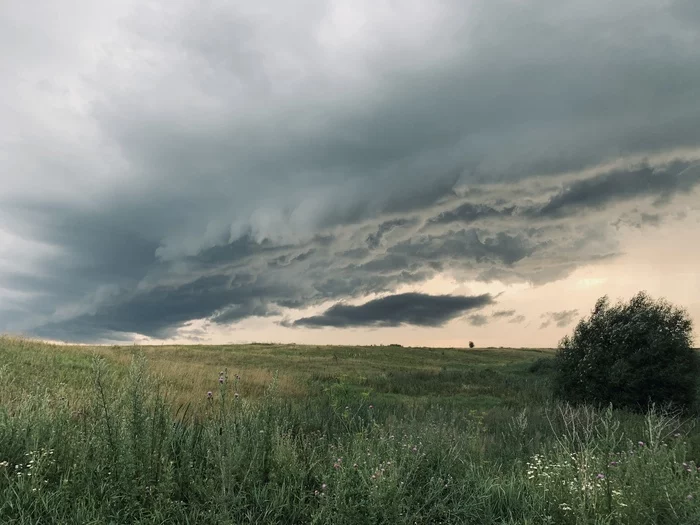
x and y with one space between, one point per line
356 435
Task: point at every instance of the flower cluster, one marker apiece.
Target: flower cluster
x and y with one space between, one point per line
578 473
223 380
37 462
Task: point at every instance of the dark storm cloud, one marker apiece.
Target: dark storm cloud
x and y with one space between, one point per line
395 310
469 244
374 239
468 213
621 185
592 193
159 311
223 160
561 319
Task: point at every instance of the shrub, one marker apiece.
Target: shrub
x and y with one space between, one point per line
629 355
471 344
542 365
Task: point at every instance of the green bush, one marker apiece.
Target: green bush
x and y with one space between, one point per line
629 355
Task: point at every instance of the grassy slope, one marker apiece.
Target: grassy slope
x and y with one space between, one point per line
479 377
342 435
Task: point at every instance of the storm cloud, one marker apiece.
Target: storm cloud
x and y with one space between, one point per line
596 192
395 310
163 163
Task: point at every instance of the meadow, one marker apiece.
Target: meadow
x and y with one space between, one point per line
296 434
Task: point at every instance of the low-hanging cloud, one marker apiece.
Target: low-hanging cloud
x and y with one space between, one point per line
477 320
503 313
560 319
403 309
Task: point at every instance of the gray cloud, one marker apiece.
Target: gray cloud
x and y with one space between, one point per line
224 161
395 310
477 320
517 319
503 313
374 239
469 212
561 319
619 185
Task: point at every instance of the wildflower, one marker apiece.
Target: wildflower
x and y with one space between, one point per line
415 449
221 380
315 492
210 394
235 394
323 487
600 476
613 464
237 377
354 465
689 497
677 435
640 443
336 466
371 406
4 464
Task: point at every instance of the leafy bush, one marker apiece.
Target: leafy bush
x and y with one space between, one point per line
542 365
631 355
471 344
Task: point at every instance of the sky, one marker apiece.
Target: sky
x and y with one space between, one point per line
424 172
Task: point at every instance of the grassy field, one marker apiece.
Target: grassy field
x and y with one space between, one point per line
298 434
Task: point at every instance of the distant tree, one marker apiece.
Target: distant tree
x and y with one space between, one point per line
630 355
471 344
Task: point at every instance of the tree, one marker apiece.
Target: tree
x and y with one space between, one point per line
630 355
471 344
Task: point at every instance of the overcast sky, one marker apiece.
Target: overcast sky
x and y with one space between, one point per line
422 172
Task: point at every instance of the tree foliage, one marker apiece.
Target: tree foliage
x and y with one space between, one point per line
630 355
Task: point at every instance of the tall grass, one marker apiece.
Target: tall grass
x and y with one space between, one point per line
127 452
